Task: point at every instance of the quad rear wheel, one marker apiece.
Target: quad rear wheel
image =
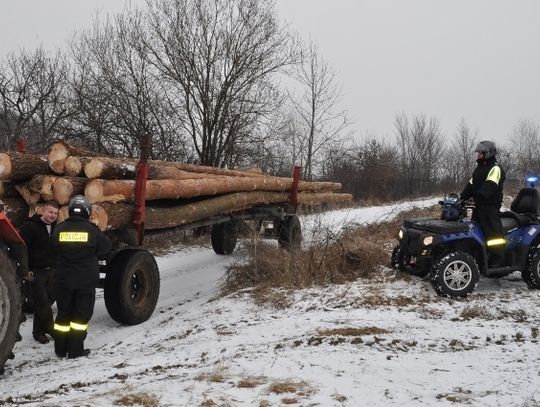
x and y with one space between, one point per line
131 287
531 274
10 309
455 274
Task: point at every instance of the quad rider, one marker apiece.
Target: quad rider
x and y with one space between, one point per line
485 187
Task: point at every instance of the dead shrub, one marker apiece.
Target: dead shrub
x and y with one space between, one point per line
250 382
138 399
354 253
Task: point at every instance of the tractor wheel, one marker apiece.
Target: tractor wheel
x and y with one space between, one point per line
531 274
290 233
131 287
10 309
455 274
224 237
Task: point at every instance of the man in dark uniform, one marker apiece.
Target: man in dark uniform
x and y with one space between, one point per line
79 244
486 188
36 234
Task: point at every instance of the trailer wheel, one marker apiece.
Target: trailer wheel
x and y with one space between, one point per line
224 237
290 233
10 309
131 287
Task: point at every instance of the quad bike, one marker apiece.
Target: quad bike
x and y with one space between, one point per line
452 251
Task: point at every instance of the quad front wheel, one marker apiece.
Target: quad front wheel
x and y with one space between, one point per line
455 274
401 260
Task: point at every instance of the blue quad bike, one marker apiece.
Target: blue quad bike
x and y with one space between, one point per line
452 253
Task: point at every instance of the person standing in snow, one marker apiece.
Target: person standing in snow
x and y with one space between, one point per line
36 232
486 188
79 244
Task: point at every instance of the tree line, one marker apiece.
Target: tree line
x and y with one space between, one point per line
225 83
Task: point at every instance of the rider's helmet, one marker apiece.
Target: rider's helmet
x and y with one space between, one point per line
487 148
80 206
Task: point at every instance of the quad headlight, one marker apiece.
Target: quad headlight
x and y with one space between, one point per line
400 233
427 240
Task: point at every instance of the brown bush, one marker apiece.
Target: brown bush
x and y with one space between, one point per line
355 253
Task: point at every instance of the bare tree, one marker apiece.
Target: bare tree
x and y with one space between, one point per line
318 107
460 159
420 144
219 59
116 77
525 148
32 97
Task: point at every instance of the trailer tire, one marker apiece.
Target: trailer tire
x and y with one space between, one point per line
10 309
224 238
131 287
290 233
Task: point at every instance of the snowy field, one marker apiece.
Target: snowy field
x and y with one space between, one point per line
378 342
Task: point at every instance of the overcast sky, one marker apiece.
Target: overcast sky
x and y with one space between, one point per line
476 59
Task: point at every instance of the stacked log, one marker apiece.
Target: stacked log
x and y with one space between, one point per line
176 193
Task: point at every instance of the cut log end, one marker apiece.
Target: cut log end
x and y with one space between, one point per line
72 166
5 166
94 169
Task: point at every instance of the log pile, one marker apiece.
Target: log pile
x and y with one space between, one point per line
176 193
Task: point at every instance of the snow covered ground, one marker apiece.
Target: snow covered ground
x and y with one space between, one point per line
377 342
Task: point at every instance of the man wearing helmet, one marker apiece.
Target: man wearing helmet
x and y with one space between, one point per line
485 187
78 244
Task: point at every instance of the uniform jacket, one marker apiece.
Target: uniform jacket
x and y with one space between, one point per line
486 184
35 235
78 244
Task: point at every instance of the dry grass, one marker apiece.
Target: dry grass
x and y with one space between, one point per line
251 382
300 388
355 253
367 330
138 399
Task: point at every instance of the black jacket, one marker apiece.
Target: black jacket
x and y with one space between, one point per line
486 184
35 235
78 245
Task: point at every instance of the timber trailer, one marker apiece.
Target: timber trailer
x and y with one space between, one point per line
131 280
130 276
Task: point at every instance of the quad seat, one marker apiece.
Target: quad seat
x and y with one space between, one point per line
523 210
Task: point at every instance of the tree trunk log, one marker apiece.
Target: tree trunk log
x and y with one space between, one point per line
30 197
64 188
59 151
99 190
42 184
114 168
120 214
74 166
20 167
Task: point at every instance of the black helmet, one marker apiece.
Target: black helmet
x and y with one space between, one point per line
487 148
79 206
